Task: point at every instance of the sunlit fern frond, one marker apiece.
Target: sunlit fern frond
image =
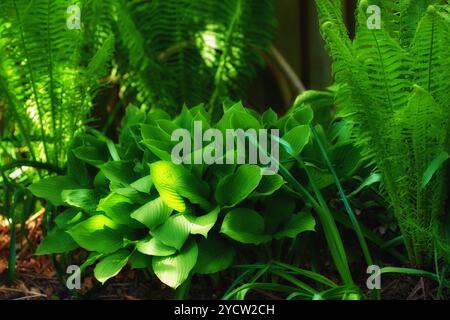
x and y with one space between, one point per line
234 34
400 17
387 65
42 76
430 50
189 52
395 97
331 11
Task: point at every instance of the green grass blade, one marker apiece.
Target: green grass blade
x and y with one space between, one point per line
348 208
331 231
414 272
295 281
265 286
433 167
258 275
306 273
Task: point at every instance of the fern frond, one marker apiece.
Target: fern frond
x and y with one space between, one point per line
41 68
431 54
240 29
145 75
98 23
191 51
387 64
40 44
400 17
422 126
332 11
395 98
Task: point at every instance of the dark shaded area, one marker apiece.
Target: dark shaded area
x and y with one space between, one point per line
299 41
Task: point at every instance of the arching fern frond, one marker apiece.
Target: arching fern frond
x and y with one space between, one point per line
189 52
387 65
422 126
235 32
430 49
98 21
393 89
41 72
331 11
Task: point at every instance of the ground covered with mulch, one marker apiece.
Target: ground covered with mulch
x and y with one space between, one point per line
36 278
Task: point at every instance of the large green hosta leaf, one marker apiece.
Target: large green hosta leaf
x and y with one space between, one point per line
56 241
238 117
153 247
120 172
245 226
174 270
153 213
143 184
52 187
98 233
93 155
202 224
119 209
248 226
237 186
268 185
175 182
298 137
111 265
69 218
84 199
298 116
174 232
140 261
297 224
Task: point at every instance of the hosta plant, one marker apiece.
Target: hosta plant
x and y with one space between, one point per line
131 203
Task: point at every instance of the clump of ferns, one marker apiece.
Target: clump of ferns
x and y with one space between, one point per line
394 90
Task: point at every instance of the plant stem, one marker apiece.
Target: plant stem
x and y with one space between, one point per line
182 291
33 164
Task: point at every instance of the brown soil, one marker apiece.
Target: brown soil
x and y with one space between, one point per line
36 279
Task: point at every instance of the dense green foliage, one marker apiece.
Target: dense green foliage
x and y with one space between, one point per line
192 52
169 53
360 174
393 88
46 89
130 202
162 54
